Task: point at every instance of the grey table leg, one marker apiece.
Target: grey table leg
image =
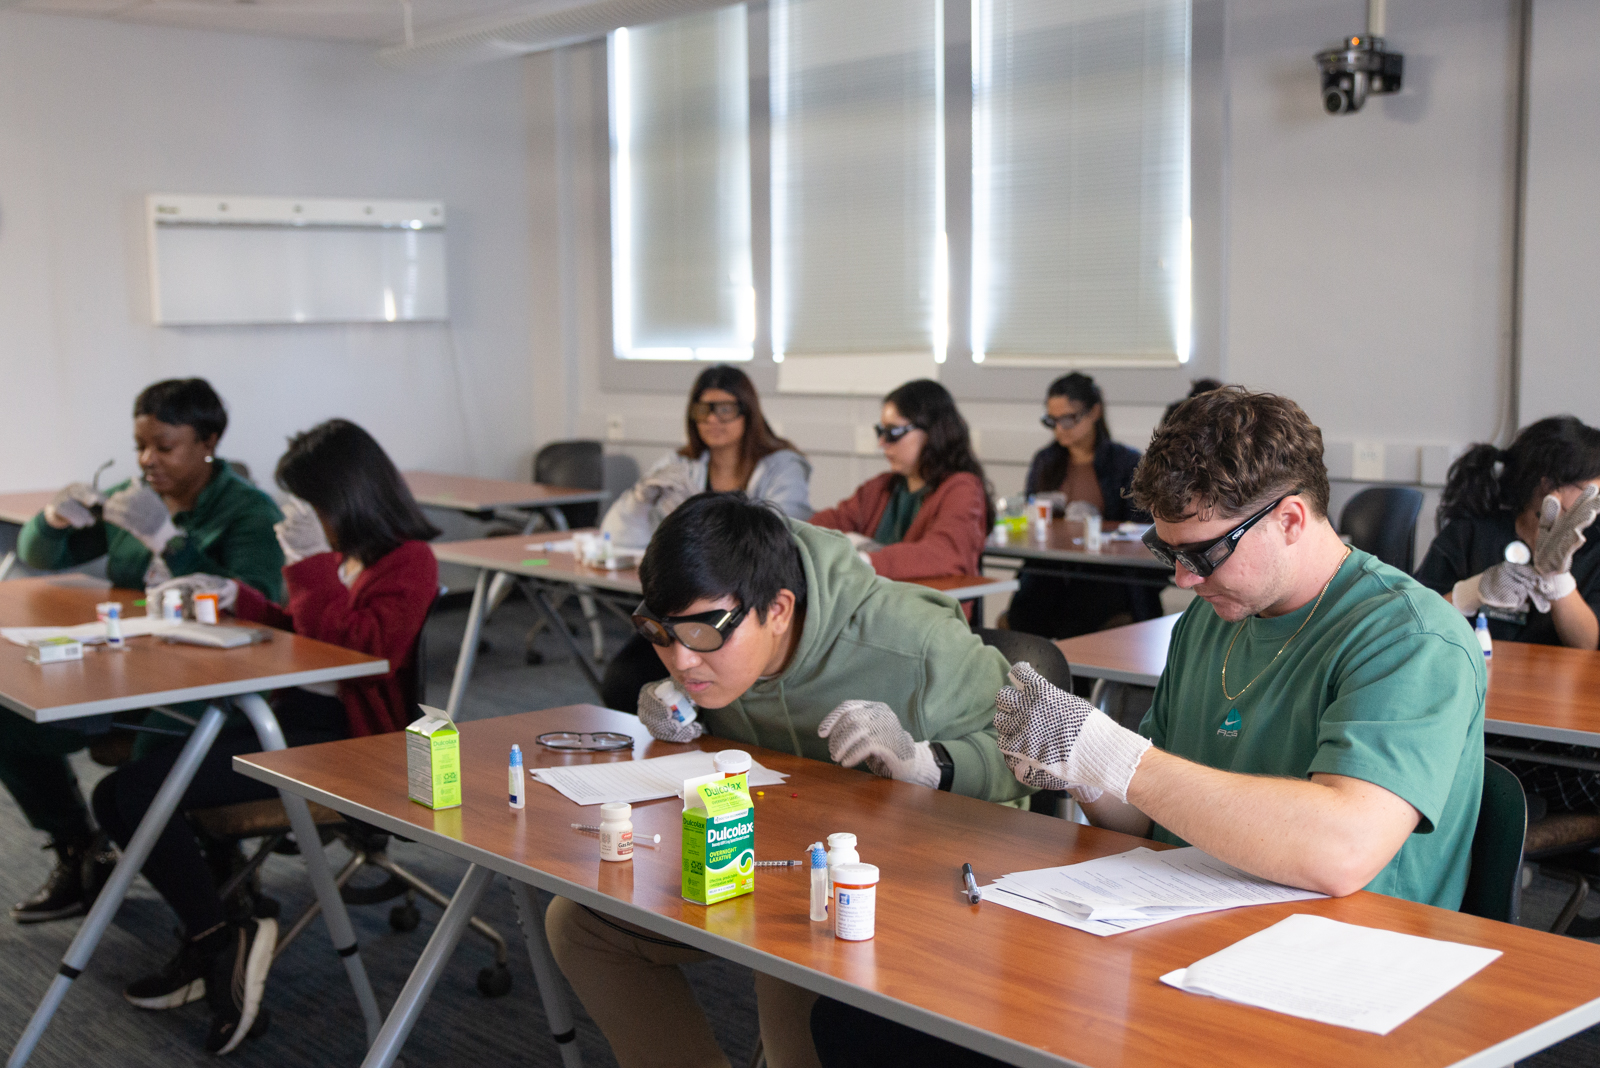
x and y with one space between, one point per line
552 988
537 595
429 966
305 832
469 643
116 888
7 564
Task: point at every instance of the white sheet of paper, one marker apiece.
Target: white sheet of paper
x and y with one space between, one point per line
1337 973
88 633
632 781
565 545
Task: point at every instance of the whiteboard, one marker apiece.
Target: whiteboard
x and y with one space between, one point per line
250 260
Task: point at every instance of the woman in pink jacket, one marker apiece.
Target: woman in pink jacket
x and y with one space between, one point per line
929 514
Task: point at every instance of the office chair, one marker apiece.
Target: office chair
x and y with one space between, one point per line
1382 520
1494 879
580 464
1045 657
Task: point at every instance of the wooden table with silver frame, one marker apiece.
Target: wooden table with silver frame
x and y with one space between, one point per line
151 673
1121 557
15 510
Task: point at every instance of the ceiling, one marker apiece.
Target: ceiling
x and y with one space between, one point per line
376 22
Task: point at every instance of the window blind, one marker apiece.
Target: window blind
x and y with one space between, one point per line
680 190
857 185
1081 181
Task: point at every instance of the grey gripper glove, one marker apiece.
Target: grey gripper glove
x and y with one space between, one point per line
668 714
300 533
870 732
140 511
71 505
1508 586
226 589
1057 741
1561 536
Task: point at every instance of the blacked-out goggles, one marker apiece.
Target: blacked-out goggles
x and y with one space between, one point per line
720 411
1204 557
892 434
1065 422
704 632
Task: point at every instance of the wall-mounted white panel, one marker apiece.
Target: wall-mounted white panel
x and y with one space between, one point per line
234 260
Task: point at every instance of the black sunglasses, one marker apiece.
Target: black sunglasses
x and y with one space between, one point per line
1204 557
704 632
1065 422
892 434
721 411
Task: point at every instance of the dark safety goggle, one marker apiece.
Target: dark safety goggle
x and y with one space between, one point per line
704 632
892 434
1204 557
1065 422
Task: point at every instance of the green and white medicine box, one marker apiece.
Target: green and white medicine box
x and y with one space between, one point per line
433 760
719 838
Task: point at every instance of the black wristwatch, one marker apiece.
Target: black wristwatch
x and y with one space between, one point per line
947 767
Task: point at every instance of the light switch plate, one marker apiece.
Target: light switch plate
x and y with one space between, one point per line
1367 463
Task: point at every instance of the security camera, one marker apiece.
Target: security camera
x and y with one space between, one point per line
1358 67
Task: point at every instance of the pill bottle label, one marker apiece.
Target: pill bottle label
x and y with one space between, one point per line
854 911
616 845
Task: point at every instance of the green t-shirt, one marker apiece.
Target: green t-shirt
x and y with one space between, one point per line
1385 685
902 508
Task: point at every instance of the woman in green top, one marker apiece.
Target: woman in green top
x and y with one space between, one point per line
186 512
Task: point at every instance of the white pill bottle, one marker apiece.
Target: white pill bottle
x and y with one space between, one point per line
731 762
616 832
855 901
841 850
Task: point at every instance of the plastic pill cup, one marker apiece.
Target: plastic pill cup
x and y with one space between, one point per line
205 608
855 901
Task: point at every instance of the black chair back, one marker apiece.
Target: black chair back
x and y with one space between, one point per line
1494 881
1042 653
413 674
1382 520
578 464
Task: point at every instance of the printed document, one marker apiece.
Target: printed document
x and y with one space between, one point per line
1336 973
632 781
88 633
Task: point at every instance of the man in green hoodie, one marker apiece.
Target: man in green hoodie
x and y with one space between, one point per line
776 634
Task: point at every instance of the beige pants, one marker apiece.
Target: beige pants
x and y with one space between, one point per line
629 981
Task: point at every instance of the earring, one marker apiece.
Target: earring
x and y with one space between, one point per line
208 459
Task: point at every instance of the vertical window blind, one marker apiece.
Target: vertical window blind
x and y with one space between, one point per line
1081 181
857 184
680 190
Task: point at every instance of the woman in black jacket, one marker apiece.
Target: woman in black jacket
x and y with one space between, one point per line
1082 464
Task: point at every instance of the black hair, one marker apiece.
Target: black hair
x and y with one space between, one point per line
338 469
1546 455
722 545
1081 388
184 402
928 405
1197 386
760 440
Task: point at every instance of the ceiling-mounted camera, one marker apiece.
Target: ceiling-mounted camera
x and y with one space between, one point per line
1360 66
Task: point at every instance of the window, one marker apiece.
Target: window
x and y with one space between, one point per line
1081 182
680 189
858 265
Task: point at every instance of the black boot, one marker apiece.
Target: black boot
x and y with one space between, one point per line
63 893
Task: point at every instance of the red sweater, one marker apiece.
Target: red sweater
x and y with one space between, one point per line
381 614
945 538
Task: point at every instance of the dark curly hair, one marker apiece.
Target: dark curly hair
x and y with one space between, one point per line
1551 453
929 406
1225 453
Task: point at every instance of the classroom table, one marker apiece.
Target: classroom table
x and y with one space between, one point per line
153 673
539 568
1061 552
1009 985
486 497
15 510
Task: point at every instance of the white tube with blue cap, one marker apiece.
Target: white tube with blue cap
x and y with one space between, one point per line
519 796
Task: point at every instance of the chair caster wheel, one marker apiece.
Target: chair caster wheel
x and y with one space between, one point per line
484 647
494 981
533 657
267 908
405 918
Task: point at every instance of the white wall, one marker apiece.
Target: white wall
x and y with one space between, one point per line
94 115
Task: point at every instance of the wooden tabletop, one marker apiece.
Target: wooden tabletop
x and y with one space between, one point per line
465 494
149 671
1136 653
527 555
18 508
1065 543
1011 985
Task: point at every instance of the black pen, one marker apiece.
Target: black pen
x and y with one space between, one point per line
974 895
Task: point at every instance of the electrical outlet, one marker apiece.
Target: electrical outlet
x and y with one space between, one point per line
1366 464
614 428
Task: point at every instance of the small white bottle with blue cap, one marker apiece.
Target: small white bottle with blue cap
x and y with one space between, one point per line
1485 642
519 797
819 883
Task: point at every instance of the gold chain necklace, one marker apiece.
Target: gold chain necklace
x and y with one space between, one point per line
1285 645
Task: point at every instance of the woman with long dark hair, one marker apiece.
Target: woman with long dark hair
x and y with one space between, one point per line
1516 543
359 574
1083 463
929 514
730 446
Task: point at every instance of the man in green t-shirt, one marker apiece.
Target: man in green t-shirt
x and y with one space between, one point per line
1320 718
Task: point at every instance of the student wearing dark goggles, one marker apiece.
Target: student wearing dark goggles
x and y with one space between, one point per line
1204 557
703 632
715 411
892 434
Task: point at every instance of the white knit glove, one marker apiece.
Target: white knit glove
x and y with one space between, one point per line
71 506
1508 586
226 589
870 732
300 532
1057 741
861 543
668 714
1561 533
140 511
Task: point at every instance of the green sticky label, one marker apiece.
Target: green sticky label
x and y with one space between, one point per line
725 795
534 563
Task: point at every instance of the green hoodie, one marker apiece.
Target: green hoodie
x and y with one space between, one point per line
868 639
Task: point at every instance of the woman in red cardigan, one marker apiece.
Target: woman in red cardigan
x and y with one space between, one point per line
359 574
929 514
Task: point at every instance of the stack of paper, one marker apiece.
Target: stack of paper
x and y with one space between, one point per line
632 781
87 633
1319 969
1136 889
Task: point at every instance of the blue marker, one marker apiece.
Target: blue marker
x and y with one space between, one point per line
518 796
